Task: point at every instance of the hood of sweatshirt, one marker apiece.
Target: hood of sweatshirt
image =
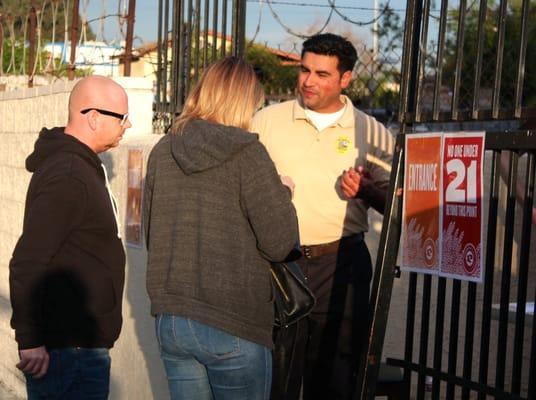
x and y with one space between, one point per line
54 141
203 145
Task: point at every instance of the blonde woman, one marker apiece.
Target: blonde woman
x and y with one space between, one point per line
216 214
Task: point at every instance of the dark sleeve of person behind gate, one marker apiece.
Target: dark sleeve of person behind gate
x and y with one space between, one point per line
52 211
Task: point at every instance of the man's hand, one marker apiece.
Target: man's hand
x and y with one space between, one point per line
34 361
357 183
288 182
351 181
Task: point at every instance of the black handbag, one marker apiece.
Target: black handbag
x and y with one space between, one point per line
293 299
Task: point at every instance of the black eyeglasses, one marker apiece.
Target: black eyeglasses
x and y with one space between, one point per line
122 117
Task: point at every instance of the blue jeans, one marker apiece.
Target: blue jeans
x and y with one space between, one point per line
205 363
73 373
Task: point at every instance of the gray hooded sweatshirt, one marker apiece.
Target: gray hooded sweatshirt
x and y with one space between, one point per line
215 215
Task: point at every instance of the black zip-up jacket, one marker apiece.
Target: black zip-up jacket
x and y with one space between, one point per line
67 270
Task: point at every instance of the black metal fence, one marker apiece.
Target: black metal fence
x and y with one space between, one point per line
41 37
466 69
193 33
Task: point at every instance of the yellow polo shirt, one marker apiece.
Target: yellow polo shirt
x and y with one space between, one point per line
316 159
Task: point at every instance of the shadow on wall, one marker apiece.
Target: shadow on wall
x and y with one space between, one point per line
108 162
144 323
138 334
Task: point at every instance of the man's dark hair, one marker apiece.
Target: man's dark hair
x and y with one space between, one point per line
329 44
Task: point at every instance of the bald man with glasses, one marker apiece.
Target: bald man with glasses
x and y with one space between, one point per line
67 270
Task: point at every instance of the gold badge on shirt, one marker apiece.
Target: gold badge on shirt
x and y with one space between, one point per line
343 144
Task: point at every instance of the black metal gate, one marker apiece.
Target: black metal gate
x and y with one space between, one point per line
467 68
191 34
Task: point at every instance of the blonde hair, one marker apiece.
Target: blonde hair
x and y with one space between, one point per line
228 93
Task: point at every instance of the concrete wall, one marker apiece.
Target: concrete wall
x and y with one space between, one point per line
137 371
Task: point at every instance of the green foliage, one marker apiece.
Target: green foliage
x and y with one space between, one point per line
14 20
390 31
11 63
512 42
382 89
19 10
276 78
390 34
381 92
12 58
62 71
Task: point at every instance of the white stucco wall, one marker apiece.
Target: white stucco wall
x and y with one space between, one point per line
137 371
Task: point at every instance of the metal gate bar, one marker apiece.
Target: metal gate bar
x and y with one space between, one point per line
520 142
523 276
459 60
440 54
506 271
440 323
412 111
500 55
488 274
469 337
522 58
479 58
422 56
532 368
425 323
454 328
416 34
193 47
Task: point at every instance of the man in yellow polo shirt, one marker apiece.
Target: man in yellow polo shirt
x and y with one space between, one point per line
339 160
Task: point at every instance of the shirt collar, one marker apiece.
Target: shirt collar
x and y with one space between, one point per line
345 121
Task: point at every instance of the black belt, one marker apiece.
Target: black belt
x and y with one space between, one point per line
317 250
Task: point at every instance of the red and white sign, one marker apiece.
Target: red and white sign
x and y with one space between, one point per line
462 223
442 224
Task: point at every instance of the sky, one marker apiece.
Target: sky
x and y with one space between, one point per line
299 16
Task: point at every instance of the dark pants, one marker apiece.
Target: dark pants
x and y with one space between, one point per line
73 374
324 348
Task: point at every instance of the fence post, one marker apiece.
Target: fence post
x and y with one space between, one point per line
130 34
32 49
74 39
1 44
238 27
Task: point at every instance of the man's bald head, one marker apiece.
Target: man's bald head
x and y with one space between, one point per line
96 92
105 113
